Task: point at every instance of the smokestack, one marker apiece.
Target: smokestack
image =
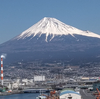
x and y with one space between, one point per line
1 71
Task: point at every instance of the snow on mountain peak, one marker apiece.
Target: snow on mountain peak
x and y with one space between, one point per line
53 27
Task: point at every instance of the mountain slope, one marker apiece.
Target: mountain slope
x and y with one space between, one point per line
51 39
53 27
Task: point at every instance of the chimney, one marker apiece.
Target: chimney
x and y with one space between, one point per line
1 71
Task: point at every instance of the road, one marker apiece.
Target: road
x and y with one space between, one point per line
86 95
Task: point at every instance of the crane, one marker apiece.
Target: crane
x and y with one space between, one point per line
98 96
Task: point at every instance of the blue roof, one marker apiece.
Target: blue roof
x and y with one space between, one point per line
68 91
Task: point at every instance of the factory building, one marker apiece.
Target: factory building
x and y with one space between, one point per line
69 94
96 85
39 78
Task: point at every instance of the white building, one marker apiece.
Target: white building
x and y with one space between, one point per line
69 94
28 81
39 78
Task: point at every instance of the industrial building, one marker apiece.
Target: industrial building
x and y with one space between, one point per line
96 85
69 94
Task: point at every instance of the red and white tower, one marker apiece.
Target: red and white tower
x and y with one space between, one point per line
1 71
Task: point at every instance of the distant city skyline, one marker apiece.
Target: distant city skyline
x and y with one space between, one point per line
18 15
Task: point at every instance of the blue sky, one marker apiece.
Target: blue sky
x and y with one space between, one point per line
18 15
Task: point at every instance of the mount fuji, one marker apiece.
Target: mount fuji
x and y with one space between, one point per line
51 39
53 27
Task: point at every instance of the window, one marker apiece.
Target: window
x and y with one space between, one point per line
69 97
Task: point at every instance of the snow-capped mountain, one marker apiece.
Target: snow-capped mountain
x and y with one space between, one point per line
53 39
53 27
